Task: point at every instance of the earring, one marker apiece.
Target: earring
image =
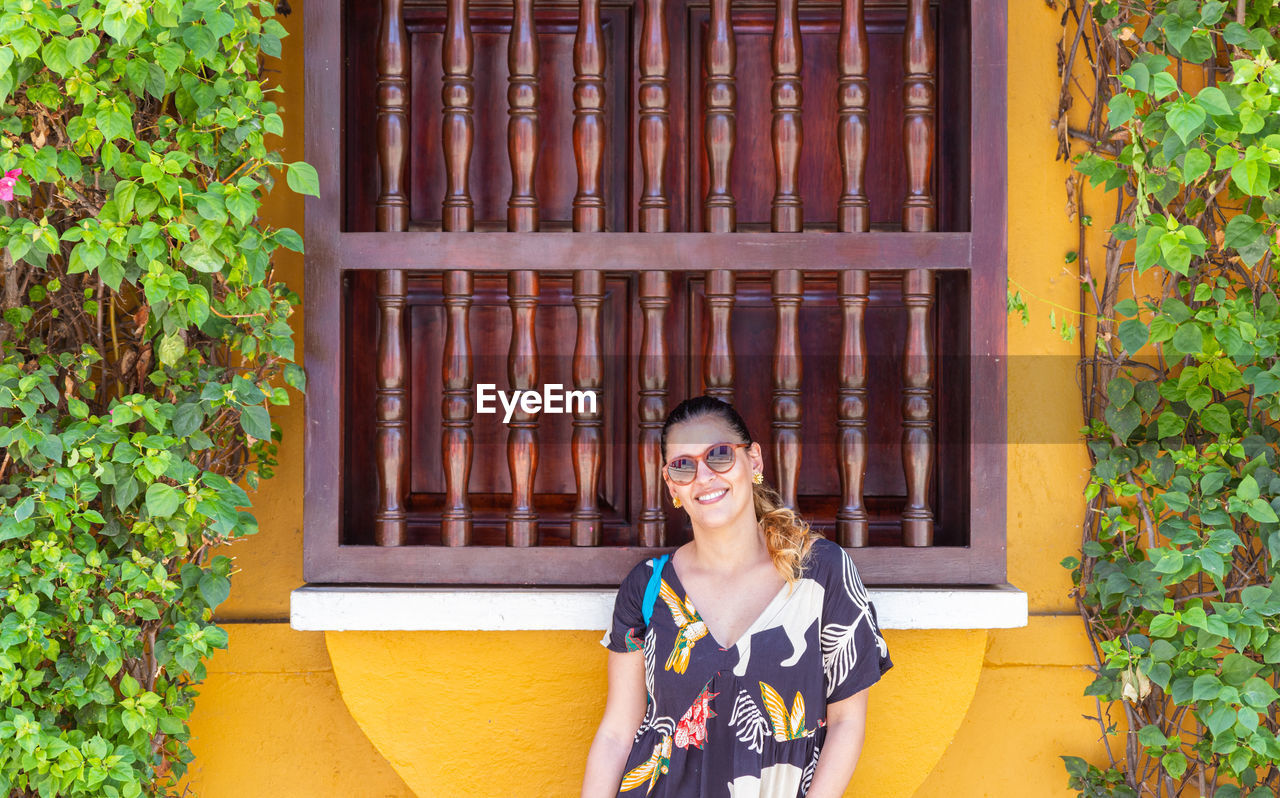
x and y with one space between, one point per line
676 501
757 478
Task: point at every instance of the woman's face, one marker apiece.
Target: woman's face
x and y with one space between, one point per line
713 499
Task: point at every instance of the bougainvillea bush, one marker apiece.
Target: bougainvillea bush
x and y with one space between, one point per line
1173 109
144 340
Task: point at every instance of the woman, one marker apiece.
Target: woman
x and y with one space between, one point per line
759 647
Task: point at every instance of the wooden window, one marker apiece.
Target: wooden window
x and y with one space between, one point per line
798 206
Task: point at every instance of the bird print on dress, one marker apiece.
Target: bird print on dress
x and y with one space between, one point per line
690 628
649 770
786 725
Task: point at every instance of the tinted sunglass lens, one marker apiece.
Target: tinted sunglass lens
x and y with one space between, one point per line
720 458
682 470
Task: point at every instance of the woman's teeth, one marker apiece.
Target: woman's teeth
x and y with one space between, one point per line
707 498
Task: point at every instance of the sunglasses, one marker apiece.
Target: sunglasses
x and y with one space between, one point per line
719 458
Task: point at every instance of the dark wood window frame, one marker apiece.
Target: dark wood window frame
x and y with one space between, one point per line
335 252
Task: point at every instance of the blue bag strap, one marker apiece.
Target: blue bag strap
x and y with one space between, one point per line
651 590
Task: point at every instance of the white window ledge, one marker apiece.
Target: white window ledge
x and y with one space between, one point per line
354 608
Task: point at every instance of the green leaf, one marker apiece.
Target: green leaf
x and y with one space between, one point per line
1212 100
1189 339
1163 626
1216 418
1162 85
1242 231
162 500
1119 391
1194 164
1119 110
199 256
1175 763
200 40
214 589
256 422
302 178
25 41
187 419
1133 335
1211 12
1123 420
1262 512
1237 669
1247 490
171 349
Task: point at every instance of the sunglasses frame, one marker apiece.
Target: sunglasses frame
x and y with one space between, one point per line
702 458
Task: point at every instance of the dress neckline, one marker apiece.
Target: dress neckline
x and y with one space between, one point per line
770 610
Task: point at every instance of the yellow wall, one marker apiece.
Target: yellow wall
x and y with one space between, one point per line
286 713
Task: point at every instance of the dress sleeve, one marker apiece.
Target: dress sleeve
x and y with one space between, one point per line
627 628
854 653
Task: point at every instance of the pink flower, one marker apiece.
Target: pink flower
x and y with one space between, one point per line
7 183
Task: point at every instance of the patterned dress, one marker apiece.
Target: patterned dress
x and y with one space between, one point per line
747 721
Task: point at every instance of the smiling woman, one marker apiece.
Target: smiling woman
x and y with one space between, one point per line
768 639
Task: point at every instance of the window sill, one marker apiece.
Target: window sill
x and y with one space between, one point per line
332 608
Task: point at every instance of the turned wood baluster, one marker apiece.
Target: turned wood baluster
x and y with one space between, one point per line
787 217
393 118
391 214
788 291
788 134
655 297
917 408
456 442
655 205
720 101
522 217
458 55
851 518
919 58
588 296
522 128
853 99
389 421
457 135
588 286
655 286
588 118
720 209
918 216
853 217
522 440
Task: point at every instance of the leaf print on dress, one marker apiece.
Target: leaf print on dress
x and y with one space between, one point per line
657 764
664 724
786 725
839 651
690 628
692 728
749 726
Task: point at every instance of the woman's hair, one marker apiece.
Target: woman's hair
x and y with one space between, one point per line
786 534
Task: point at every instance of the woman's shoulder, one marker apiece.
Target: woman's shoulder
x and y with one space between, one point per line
639 575
826 559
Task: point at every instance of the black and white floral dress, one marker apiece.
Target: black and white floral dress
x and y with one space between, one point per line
746 721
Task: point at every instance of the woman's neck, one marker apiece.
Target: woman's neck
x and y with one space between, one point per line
727 549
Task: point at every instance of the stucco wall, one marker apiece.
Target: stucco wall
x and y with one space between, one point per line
964 714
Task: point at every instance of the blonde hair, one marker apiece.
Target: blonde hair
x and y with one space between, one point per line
786 535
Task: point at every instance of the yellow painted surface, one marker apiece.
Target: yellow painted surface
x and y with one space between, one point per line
524 729
439 715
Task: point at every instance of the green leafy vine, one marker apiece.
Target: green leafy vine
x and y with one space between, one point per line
1179 123
144 339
